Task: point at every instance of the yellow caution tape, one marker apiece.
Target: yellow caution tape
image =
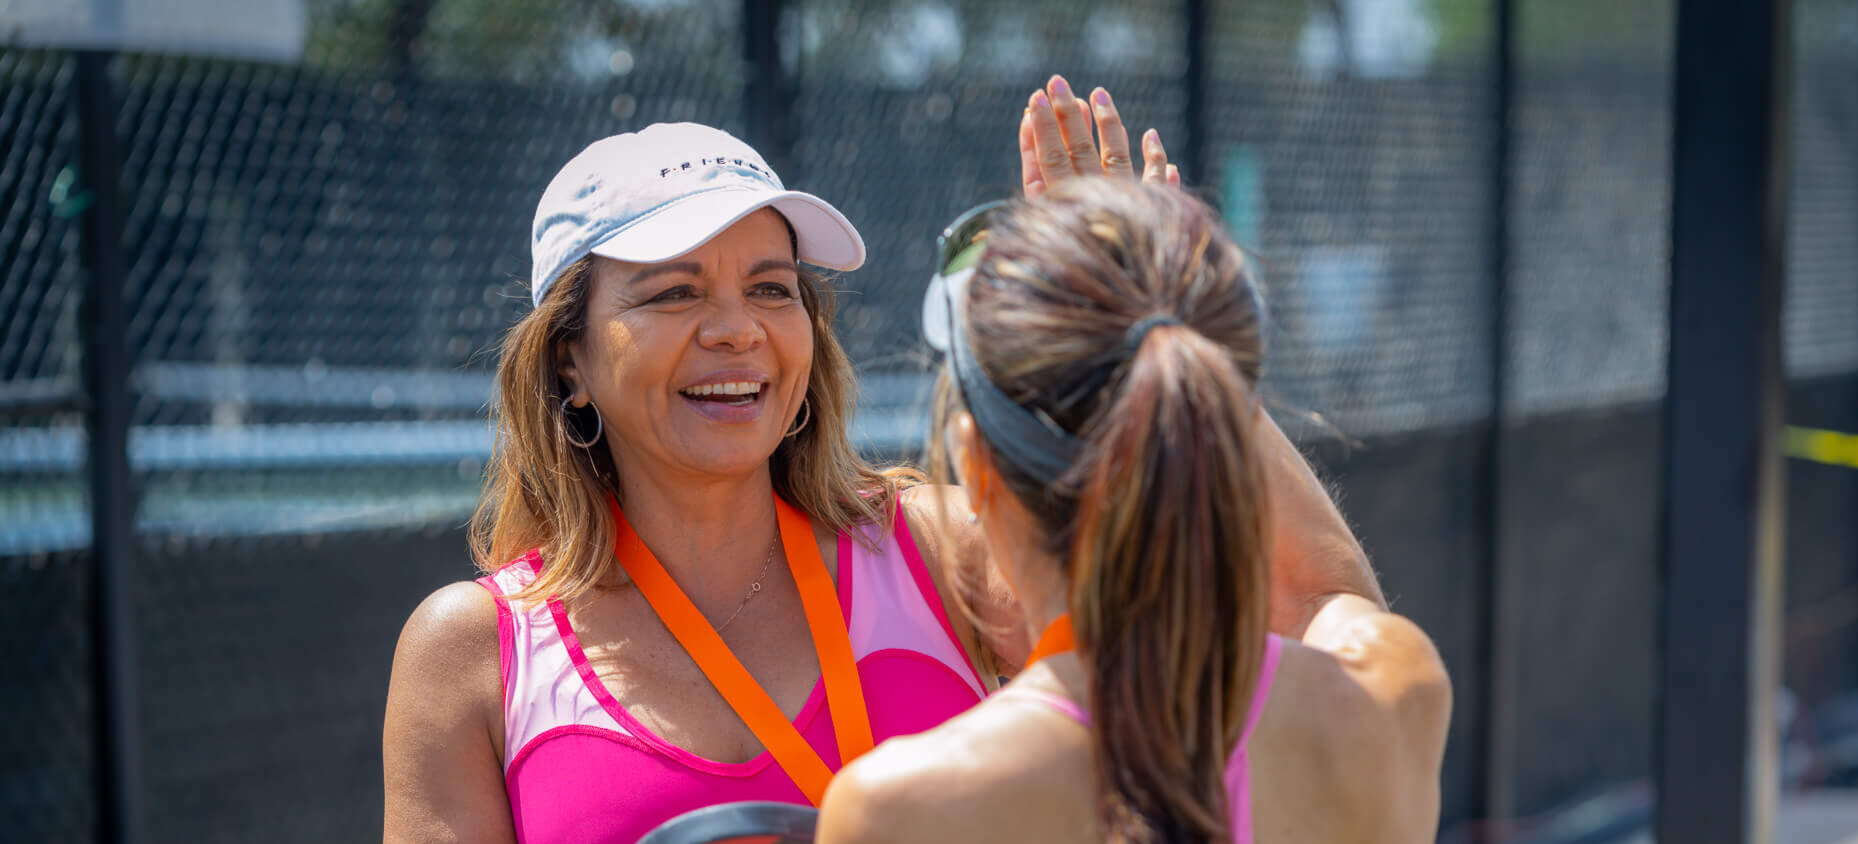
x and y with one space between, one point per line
1833 448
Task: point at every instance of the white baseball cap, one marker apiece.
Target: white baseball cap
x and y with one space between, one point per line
655 194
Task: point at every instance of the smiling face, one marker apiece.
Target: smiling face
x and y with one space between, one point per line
697 365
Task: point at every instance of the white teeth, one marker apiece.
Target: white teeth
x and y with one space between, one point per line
732 388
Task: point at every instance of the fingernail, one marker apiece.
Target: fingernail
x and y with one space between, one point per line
1059 87
1100 97
1039 100
1151 137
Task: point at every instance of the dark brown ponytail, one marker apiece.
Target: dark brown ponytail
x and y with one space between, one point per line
1168 585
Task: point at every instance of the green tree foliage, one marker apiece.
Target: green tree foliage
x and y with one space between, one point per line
523 39
1555 31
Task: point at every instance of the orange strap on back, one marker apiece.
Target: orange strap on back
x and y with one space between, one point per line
1056 639
844 691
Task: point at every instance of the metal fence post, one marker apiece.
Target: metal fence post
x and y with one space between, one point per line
1501 605
1195 161
768 98
112 497
1721 570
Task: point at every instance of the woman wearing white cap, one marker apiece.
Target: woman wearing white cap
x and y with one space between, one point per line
698 592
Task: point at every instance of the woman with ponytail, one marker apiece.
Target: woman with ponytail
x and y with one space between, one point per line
1100 408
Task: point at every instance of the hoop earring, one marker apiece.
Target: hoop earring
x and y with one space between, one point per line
567 432
806 406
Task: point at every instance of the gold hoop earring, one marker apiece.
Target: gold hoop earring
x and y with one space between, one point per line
806 407
567 431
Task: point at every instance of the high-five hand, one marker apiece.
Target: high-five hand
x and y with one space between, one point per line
1056 142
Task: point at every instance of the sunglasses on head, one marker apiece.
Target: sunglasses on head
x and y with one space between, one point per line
1029 439
958 250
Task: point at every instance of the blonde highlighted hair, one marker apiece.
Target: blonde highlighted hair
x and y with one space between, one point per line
1160 524
544 494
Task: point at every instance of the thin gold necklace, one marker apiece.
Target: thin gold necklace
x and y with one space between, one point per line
753 588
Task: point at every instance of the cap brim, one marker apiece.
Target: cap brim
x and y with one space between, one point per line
824 237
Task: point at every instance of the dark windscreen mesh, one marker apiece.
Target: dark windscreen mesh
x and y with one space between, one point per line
1351 152
939 93
41 284
1589 235
1820 330
325 256
1590 206
47 754
46 788
1822 245
39 201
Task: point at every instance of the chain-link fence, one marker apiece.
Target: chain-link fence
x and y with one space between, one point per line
322 254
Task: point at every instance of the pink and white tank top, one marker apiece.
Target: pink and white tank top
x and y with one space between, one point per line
1238 765
578 767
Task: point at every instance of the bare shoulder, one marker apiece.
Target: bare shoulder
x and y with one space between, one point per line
447 666
456 622
1389 658
987 775
442 738
888 795
1360 719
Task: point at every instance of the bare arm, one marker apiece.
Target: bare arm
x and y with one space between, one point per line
1394 695
1315 558
443 774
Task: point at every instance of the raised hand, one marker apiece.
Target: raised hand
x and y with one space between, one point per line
1056 142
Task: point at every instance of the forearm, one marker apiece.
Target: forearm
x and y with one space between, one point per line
1314 555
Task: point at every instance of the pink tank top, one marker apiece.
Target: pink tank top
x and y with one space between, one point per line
1238 770
578 767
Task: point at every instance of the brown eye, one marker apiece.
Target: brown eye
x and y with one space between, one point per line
679 293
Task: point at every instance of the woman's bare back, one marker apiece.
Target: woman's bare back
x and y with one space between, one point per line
1347 749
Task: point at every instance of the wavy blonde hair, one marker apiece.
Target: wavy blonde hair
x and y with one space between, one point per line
546 495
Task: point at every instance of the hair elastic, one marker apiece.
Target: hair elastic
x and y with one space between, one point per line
1132 339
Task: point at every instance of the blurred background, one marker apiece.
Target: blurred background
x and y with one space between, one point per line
325 210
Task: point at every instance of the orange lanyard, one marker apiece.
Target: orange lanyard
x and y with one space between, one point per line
1056 639
844 692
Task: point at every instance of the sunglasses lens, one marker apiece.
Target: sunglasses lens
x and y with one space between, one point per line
960 244
958 249
968 256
